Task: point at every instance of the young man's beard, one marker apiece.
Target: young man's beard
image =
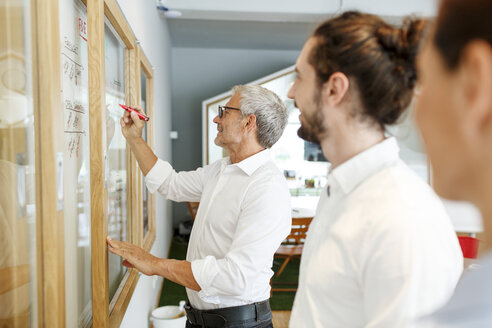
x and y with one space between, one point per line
313 127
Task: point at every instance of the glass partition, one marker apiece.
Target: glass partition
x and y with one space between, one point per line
76 162
299 160
116 154
303 163
305 174
18 275
145 192
213 152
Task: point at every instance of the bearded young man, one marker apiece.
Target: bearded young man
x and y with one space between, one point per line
381 250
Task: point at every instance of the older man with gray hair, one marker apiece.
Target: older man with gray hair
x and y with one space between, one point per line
243 216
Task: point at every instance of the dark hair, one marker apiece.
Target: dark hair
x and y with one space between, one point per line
378 57
458 23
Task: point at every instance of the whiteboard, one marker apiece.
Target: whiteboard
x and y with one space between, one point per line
76 161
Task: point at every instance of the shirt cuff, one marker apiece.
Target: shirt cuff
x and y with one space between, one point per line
204 271
157 175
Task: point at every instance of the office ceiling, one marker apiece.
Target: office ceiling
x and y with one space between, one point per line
239 34
270 24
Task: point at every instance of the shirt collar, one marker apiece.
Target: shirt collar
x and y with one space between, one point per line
357 169
250 164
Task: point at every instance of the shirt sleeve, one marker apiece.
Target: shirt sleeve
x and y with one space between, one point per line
264 222
179 187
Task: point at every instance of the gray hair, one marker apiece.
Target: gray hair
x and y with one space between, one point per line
271 113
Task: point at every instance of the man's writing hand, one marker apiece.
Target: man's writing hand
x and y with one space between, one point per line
131 124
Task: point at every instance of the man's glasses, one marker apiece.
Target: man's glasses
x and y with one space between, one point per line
222 109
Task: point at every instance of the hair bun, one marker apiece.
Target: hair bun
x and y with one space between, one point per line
392 39
377 57
402 45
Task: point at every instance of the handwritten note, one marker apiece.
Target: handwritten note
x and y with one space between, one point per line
76 159
75 80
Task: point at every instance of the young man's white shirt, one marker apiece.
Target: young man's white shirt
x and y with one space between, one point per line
381 250
244 215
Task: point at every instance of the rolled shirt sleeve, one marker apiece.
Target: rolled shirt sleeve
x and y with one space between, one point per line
180 187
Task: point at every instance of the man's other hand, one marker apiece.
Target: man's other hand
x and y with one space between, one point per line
134 256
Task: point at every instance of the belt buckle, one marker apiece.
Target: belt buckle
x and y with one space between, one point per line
192 315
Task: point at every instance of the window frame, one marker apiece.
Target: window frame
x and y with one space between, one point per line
143 66
108 313
48 141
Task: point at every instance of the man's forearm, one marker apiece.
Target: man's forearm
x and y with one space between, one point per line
145 156
179 272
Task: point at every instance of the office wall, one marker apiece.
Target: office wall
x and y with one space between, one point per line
152 32
201 73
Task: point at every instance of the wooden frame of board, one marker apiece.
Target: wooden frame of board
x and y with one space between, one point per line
106 313
143 66
49 144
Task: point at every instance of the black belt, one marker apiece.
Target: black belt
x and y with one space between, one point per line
219 317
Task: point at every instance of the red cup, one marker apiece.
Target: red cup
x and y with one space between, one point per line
469 246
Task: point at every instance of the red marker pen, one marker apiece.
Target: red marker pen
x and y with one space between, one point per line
142 117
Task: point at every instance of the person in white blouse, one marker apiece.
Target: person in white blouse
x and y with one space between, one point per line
243 216
454 114
381 250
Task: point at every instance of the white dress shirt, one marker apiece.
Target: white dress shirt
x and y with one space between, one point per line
381 250
471 304
244 215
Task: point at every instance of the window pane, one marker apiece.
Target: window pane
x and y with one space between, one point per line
76 162
116 156
214 152
304 169
18 297
145 192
